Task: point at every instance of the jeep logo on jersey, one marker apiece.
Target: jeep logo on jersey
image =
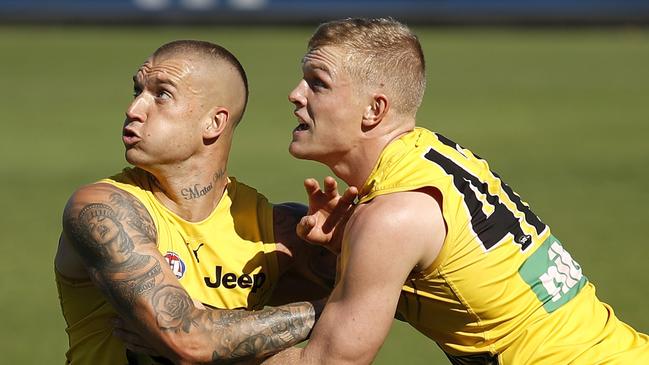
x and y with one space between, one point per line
231 280
176 264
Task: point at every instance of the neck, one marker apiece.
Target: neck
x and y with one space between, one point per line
192 192
357 165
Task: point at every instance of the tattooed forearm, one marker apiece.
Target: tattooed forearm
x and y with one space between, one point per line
283 327
173 308
233 335
260 333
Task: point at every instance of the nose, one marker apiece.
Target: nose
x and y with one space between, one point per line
296 96
137 109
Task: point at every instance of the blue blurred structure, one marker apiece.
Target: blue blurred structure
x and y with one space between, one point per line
308 11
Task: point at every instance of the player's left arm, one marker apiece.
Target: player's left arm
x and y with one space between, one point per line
384 241
310 269
307 271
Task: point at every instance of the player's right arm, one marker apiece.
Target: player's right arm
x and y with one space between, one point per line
115 238
385 240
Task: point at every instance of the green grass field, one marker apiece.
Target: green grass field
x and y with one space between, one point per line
561 115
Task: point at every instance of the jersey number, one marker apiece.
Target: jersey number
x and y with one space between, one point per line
499 221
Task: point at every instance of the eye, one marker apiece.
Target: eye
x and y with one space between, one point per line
316 84
136 91
163 94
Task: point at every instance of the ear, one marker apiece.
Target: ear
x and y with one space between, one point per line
375 111
219 119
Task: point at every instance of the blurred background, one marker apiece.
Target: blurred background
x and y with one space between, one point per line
554 94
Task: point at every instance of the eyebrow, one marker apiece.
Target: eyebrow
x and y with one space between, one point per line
322 68
162 79
314 66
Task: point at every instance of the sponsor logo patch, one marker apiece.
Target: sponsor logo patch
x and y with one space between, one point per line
176 264
231 280
552 275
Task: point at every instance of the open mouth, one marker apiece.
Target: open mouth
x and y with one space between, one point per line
302 127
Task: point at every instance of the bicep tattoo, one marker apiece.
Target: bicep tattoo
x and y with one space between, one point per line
105 235
136 215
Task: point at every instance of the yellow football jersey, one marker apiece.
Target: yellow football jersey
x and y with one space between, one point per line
503 289
228 260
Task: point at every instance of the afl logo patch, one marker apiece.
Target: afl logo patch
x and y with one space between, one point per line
176 264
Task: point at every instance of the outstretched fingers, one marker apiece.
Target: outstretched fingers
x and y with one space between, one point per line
330 187
311 185
327 214
341 209
349 195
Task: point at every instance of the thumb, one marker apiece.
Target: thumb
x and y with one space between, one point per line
305 226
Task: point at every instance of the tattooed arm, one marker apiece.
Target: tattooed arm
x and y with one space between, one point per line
115 237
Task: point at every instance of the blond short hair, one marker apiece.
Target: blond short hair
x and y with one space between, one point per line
381 52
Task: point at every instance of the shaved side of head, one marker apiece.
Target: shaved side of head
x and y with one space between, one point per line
222 72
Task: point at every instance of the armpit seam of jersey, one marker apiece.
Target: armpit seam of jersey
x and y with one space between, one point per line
463 301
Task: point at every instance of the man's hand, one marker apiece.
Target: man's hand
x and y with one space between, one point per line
132 339
327 215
